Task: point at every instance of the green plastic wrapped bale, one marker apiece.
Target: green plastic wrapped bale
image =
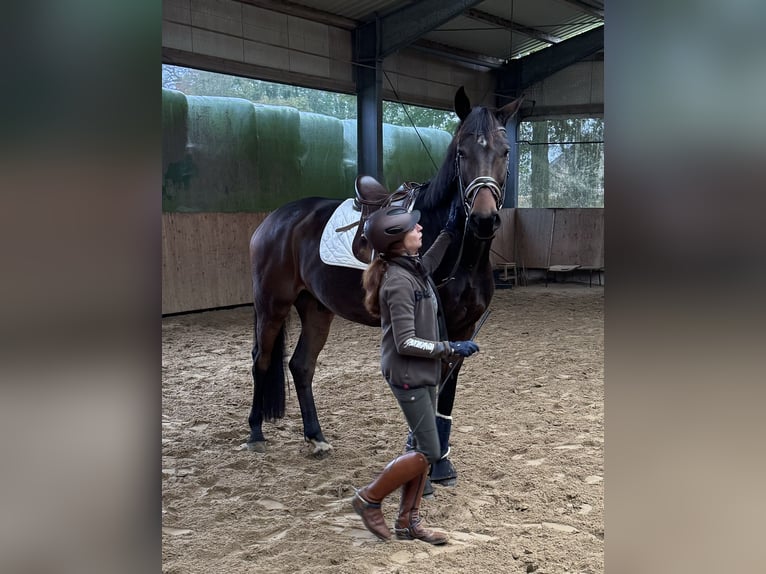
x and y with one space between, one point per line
220 138
230 155
322 153
239 157
276 157
349 154
175 172
405 158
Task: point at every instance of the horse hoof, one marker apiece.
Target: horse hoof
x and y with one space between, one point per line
255 446
321 449
428 490
445 482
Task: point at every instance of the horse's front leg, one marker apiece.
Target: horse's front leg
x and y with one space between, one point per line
315 327
443 472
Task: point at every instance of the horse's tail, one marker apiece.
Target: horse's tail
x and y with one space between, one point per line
270 385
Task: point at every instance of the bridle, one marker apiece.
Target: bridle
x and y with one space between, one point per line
469 192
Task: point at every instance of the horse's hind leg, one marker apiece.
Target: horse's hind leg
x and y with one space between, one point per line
268 370
315 327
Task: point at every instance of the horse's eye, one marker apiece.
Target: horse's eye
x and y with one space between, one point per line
506 152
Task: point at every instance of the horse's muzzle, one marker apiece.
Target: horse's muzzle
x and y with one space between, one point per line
484 226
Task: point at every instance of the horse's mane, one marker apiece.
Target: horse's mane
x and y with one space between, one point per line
438 191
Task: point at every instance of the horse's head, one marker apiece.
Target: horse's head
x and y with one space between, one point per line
482 154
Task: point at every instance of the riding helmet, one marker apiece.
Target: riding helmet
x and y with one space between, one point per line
389 225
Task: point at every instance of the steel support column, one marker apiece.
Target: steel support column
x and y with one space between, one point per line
369 106
373 41
512 181
506 91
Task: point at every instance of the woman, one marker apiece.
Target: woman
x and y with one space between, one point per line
398 289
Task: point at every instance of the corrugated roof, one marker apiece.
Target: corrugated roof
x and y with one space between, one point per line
493 30
360 10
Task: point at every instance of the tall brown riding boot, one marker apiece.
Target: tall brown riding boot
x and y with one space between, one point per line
408 525
398 472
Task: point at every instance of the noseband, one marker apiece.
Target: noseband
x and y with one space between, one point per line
469 192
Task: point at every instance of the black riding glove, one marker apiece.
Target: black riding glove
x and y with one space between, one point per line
463 348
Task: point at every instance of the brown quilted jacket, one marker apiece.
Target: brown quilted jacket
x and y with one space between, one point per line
410 348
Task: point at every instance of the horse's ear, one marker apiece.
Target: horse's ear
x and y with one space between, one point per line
509 110
462 104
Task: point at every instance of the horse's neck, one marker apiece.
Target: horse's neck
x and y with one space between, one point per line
467 256
474 256
475 253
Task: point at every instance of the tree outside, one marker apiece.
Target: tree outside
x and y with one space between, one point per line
408 115
561 163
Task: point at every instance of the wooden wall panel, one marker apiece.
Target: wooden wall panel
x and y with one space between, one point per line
533 233
205 260
578 237
504 244
545 237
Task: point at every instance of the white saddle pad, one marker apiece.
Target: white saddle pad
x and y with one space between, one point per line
335 246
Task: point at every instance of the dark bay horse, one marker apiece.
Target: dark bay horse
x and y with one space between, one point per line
287 270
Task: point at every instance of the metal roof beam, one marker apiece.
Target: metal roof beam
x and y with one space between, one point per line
519 74
457 54
511 25
293 9
402 27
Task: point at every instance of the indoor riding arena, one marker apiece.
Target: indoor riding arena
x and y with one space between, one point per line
527 434
528 447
